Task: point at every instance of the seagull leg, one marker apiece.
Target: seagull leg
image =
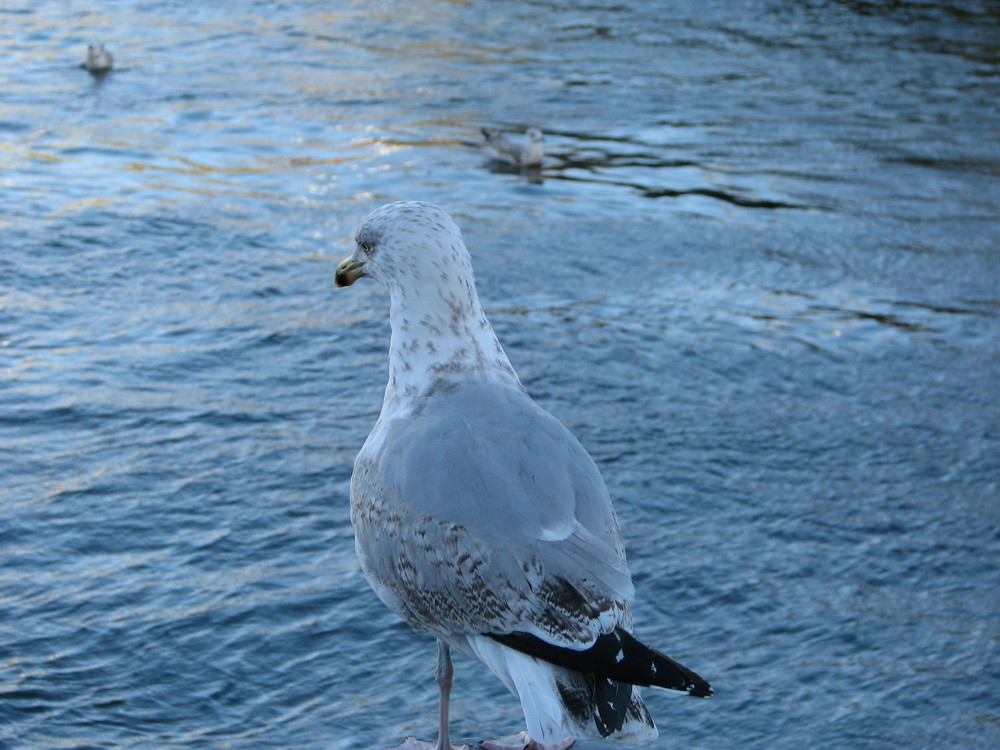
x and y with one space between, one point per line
443 675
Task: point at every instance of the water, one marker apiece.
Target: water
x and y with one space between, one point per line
758 277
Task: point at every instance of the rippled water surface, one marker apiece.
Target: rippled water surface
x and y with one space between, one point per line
757 276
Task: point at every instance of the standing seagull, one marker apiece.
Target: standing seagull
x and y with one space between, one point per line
528 154
479 518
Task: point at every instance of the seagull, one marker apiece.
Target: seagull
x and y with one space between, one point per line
99 60
480 519
528 154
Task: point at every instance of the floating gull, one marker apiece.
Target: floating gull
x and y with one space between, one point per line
528 154
479 518
99 60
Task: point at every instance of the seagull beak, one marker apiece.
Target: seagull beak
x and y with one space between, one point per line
349 271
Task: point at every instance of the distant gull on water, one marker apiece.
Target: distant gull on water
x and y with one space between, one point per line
527 154
99 60
480 519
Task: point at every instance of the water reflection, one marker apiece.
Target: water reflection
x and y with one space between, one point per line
580 157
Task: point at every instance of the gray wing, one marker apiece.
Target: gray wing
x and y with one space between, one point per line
483 514
502 147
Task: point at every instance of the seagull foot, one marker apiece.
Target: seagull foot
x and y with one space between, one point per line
412 743
523 741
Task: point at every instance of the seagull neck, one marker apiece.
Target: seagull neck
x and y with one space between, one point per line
438 337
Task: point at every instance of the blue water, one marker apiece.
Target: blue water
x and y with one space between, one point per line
758 277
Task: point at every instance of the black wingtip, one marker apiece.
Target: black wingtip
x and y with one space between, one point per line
702 690
616 656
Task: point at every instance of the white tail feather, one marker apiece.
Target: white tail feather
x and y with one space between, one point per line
536 684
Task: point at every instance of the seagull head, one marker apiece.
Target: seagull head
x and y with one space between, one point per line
405 242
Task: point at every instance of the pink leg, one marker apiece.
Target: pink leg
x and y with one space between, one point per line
444 674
